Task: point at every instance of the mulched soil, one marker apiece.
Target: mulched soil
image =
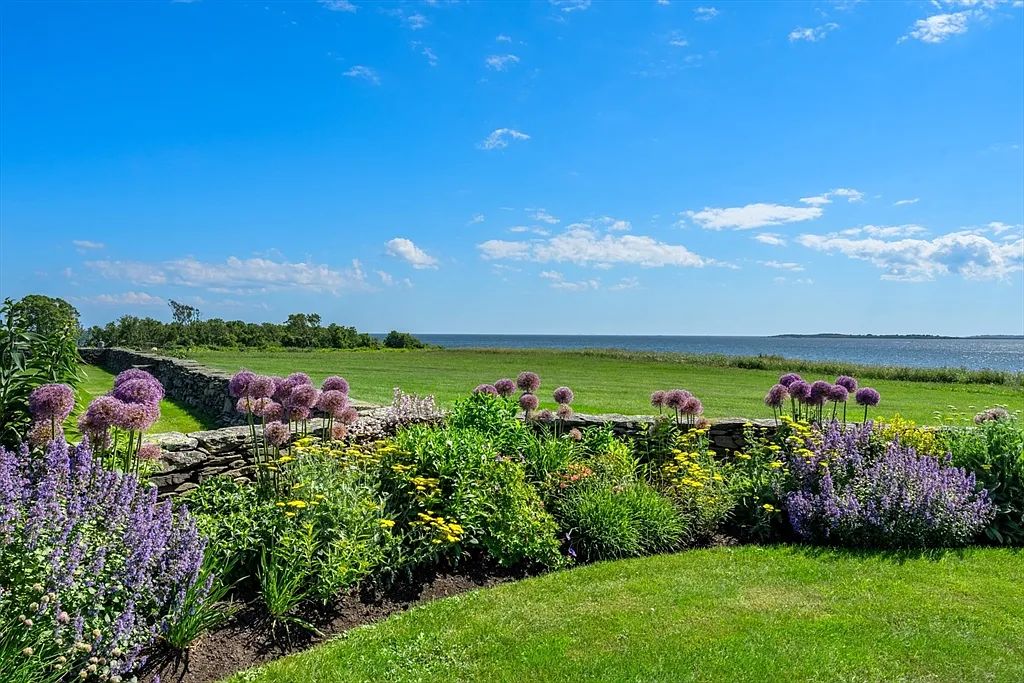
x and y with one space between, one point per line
248 639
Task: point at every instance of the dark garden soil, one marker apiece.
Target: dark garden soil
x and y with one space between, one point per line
248 639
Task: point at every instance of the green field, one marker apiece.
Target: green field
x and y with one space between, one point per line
173 417
727 614
602 383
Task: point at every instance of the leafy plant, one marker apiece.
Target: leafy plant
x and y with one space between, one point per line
203 608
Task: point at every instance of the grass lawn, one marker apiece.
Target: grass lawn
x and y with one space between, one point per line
726 614
601 384
173 416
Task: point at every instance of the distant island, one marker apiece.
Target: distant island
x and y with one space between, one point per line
833 335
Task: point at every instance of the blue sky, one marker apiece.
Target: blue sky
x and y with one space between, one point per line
577 167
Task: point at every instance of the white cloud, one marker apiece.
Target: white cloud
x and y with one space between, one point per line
570 5
339 5
584 247
500 62
85 245
771 238
812 35
939 28
998 227
431 57
663 2
886 230
752 216
503 39
126 299
542 215
626 283
416 21
788 265
798 281
677 40
824 198
971 256
385 278
903 202
614 225
551 275
404 249
363 72
496 140
577 286
478 218
706 13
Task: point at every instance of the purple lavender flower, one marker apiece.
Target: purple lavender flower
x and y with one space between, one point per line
563 395
800 390
790 377
776 396
262 386
336 384
848 383
529 402
658 399
564 411
505 387
332 401
277 433
139 391
486 389
238 386
528 382
51 402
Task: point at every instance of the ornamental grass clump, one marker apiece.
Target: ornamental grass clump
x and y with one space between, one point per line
846 491
92 568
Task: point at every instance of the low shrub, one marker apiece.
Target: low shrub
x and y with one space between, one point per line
92 568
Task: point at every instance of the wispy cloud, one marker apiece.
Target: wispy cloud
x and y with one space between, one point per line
772 238
501 62
339 5
886 230
752 216
404 249
812 35
625 283
904 202
938 28
83 246
570 5
497 139
502 38
431 57
126 299
677 40
363 72
544 216
782 265
824 198
705 13
478 218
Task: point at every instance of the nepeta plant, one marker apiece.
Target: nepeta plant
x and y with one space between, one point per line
846 492
92 565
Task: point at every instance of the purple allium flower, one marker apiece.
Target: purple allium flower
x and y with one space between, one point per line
505 387
838 393
338 432
789 378
564 411
139 391
676 398
991 415
104 412
262 386
239 384
800 390
575 434
528 382
137 417
332 401
336 384
702 423
130 374
776 396
303 395
281 391
51 402
486 389
544 415
298 413
277 433
848 383
297 379
273 411
529 402
563 395
658 399
692 406
43 433
866 396
149 451
348 416
819 393
252 406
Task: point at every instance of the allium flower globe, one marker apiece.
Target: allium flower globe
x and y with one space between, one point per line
338 432
545 415
273 411
149 451
238 386
776 396
658 399
838 393
262 387
991 415
692 406
789 378
349 416
528 382
848 383
529 402
139 391
336 384
866 396
564 411
800 390
563 395
505 387
298 413
676 398
303 395
43 433
277 433
332 401
130 374
137 417
486 389
819 393
51 402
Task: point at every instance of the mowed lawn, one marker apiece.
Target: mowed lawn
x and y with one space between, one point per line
726 614
173 416
602 385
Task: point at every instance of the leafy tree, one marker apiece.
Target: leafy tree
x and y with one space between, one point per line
48 316
402 340
183 313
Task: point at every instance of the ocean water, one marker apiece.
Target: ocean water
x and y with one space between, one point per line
975 354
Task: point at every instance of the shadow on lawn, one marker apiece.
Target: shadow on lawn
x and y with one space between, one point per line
893 556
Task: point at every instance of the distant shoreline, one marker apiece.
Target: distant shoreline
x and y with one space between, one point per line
828 335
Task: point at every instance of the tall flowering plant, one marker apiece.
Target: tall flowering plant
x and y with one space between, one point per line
114 424
846 491
92 568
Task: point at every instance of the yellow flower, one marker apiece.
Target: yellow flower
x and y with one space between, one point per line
297 504
290 514
769 507
386 523
775 465
452 539
743 456
320 496
280 505
297 486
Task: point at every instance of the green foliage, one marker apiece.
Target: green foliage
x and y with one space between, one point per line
48 316
698 483
994 451
402 340
203 608
757 478
29 359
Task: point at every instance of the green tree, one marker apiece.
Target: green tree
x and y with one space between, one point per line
48 316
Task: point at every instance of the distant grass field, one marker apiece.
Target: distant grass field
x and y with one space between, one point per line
173 417
726 614
603 383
